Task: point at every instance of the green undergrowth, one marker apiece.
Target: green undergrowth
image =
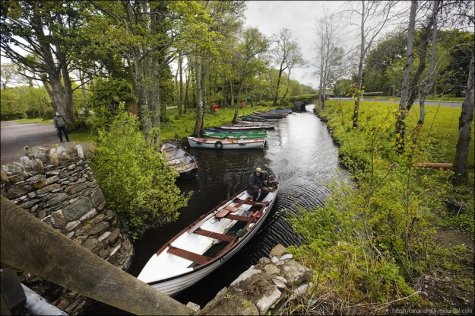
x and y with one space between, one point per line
135 178
371 242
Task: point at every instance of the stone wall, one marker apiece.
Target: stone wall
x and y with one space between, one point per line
264 289
57 185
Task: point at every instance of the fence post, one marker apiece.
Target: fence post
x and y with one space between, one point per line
32 246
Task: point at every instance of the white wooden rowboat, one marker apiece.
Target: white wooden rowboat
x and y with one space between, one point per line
215 143
207 243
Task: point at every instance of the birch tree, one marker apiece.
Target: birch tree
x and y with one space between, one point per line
287 55
402 111
330 55
430 79
465 126
248 61
373 17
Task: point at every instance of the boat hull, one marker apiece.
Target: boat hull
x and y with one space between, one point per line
215 143
177 284
180 160
235 135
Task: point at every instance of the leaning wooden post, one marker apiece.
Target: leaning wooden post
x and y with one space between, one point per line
32 246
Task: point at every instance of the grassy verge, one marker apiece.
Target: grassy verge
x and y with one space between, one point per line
35 120
403 237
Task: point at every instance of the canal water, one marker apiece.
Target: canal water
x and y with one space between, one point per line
300 152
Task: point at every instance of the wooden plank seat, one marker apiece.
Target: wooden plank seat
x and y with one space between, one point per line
188 255
251 202
240 218
207 233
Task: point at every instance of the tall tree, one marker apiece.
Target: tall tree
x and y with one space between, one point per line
9 72
330 55
35 36
373 17
430 79
140 31
465 126
402 112
248 62
287 55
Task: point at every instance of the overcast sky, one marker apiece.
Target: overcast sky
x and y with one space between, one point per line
298 16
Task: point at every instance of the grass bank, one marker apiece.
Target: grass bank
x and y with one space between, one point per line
403 236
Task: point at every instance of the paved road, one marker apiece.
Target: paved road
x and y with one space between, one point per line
430 103
16 136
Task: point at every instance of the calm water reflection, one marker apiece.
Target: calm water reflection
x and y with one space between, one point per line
300 152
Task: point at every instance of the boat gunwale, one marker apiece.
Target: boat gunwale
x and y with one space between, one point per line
228 248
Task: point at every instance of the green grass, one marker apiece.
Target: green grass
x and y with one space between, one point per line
436 99
441 124
405 214
81 137
35 120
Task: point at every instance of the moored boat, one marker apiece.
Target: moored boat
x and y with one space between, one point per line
236 134
220 143
180 160
207 243
271 115
245 125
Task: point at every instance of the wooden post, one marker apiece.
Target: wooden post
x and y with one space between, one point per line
434 165
32 246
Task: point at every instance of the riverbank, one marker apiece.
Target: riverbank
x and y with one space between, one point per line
417 245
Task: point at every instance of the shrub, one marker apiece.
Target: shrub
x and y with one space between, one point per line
134 176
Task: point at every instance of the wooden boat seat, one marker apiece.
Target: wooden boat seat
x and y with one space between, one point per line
207 233
249 201
227 209
222 213
200 259
240 218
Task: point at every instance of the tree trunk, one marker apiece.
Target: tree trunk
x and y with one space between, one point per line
276 95
180 90
430 78
198 131
359 82
236 106
141 99
402 113
465 126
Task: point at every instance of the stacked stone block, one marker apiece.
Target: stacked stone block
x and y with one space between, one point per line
57 185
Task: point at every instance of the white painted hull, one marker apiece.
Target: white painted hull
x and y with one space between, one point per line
173 284
215 143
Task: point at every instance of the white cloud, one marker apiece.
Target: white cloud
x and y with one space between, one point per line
299 17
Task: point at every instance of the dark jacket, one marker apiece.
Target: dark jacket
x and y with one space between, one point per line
258 182
59 121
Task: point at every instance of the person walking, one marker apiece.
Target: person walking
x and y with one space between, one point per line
60 124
